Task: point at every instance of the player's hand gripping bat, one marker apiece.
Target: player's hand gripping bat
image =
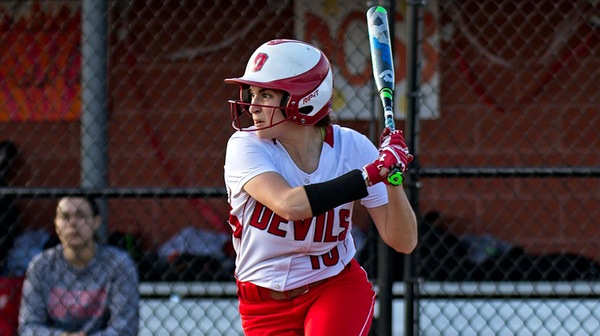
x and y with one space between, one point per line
383 71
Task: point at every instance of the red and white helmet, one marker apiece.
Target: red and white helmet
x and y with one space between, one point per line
299 69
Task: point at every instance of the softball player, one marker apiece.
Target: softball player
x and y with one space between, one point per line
292 178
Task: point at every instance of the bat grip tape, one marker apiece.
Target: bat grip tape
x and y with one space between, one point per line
328 195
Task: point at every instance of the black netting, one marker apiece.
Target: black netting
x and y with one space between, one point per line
125 101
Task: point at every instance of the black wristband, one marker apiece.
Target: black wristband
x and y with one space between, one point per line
328 195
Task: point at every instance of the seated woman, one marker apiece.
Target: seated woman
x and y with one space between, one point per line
79 287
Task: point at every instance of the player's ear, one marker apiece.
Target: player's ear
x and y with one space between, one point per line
284 101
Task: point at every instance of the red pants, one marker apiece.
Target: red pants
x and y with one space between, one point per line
343 305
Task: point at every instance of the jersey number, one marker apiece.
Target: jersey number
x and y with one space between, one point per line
329 259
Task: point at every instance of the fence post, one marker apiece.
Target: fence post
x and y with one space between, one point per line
94 120
384 252
414 25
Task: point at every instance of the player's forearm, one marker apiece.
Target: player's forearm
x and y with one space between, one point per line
306 201
400 231
271 190
343 189
291 204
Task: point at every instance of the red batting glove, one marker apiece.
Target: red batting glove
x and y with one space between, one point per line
393 153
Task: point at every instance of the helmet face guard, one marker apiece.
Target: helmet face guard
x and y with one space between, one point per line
298 69
241 117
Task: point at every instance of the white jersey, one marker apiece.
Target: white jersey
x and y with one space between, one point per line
279 254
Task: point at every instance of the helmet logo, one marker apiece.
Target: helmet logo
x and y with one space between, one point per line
259 61
312 95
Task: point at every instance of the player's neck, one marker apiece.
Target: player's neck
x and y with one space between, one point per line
304 147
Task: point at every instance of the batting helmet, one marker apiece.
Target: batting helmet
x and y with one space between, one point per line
298 69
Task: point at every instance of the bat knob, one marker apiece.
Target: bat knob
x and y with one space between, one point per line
395 178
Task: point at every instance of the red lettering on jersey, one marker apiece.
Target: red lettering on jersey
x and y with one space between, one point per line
264 218
274 225
314 262
329 237
79 304
301 228
259 61
344 223
261 216
329 259
319 228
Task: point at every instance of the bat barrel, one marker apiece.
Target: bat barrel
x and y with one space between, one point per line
383 71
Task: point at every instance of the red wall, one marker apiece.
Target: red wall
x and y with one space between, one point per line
169 124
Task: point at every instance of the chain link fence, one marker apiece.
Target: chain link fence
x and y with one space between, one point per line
510 178
505 181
